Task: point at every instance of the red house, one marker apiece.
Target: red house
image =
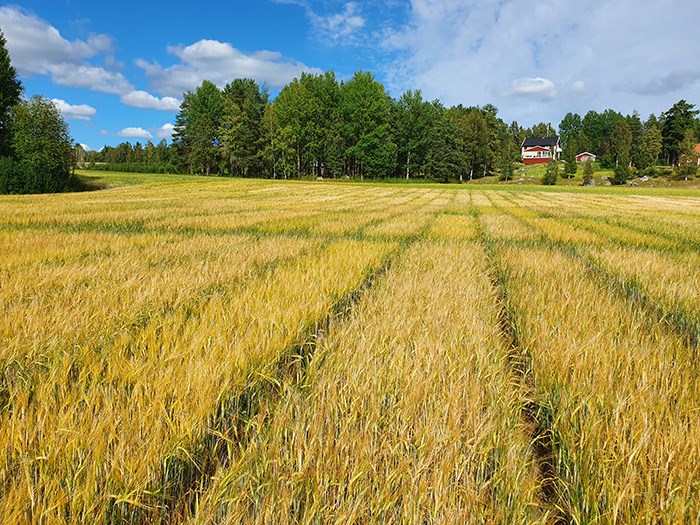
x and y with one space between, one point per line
583 157
539 150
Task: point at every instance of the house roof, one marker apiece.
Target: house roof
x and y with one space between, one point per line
585 153
540 141
696 149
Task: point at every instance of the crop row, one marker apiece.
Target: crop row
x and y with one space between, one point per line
246 351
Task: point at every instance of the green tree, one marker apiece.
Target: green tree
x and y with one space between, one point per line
243 108
597 127
278 153
10 92
621 174
295 107
588 170
479 143
445 158
42 148
197 127
517 136
688 159
506 161
620 149
570 166
676 121
231 139
651 121
551 174
570 128
651 147
366 127
541 129
620 143
412 121
637 138
324 132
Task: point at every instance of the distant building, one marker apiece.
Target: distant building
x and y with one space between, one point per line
694 158
538 150
583 157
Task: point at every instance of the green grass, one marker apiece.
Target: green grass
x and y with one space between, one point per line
532 182
112 179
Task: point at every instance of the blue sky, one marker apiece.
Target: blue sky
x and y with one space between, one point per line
117 70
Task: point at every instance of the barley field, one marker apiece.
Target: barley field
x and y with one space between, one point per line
204 351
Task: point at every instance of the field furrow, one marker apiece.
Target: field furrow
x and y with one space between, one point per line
213 350
408 413
620 391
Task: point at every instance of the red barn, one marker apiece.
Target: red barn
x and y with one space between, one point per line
539 150
583 157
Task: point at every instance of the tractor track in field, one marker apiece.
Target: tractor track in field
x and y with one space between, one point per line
229 429
674 317
536 416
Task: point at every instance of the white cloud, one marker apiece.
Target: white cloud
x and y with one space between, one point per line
78 112
35 45
579 86
143 99
37 48
85 147
339 27
165 131
135 133
534 88
219 62
538 61
90 77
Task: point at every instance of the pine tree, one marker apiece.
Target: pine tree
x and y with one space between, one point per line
676 120
10 91
570 166
444 158
197 127
651 148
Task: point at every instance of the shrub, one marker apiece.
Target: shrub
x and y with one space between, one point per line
588 170
18 176
42 150
550 176
622 174
649 171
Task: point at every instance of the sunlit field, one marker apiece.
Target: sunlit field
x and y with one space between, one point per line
203 350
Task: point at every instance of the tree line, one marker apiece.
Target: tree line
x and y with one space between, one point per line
128 157
319 126
628 144
322 127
